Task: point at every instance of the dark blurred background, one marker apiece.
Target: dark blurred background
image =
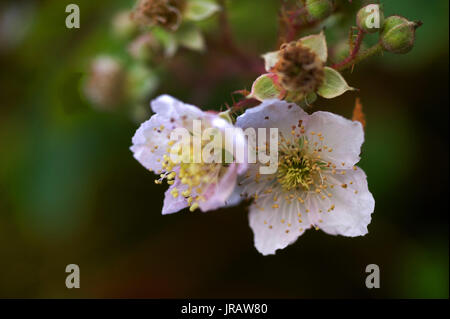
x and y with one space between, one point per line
71 192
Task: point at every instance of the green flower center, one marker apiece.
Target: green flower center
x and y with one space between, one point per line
296 169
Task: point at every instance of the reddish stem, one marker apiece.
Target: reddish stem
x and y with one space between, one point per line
245 60
246 103
353 53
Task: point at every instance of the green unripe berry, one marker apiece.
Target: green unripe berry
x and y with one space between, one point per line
370 18
398 34
318 9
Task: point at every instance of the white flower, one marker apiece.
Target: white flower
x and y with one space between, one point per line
201 185
317 183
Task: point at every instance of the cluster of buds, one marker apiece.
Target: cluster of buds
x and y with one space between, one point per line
152 30
397 34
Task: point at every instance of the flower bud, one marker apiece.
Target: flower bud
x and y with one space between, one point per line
398 34
318 9
370 18
123 25
105 84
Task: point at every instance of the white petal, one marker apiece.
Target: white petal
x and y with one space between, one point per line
170 107
219 192
235 198
150 143
151 138
276 228
171 204
272 114
342 136
353 205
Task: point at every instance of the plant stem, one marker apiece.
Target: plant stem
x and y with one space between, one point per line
358 57
353 53
228 42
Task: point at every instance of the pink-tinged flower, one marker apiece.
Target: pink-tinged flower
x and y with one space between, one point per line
196 184
317 183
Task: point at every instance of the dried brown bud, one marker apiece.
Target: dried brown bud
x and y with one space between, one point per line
299 68
164 13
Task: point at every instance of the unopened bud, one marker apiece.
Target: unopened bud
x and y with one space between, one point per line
123 25
318 9
370 18
104 86
398 34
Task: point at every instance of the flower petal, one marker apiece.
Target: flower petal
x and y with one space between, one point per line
343 138
276 228
172 204
151 138
272 114
218 193
168 106
353 205
149 143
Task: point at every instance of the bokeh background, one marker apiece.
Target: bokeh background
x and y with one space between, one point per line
71 192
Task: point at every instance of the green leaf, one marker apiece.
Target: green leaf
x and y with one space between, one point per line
270 58
318 44
333 85
197 10
265 88
167 39
190 37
